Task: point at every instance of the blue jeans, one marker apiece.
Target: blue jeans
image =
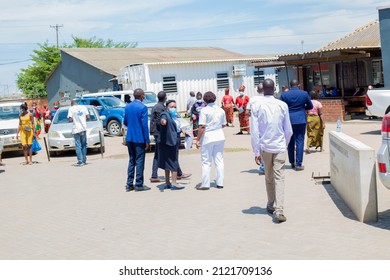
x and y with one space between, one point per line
80 141
295 147
136 164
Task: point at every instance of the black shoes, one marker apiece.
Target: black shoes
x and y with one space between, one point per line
141 189
219 187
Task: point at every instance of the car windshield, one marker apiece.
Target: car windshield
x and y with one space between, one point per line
150 97
62 116
112 102
9 112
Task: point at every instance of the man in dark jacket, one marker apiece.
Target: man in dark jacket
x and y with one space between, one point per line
298 102
154 120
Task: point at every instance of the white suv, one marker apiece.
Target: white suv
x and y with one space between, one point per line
9 122
383 157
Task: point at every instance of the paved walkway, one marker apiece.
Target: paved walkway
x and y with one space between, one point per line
52 210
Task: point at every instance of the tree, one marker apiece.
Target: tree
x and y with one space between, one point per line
32 79
99 43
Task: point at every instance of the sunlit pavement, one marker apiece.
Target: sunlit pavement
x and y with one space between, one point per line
52 210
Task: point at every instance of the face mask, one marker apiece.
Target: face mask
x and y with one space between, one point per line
173 112
241 94
34 107
199 101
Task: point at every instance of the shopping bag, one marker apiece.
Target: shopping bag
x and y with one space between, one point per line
35 147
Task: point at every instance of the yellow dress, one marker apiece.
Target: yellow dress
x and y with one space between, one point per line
26 137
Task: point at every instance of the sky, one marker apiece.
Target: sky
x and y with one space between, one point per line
243 26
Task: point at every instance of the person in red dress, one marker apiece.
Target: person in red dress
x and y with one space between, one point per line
228 105
241 103
46 116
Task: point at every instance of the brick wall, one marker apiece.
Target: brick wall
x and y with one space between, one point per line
332 109
40 101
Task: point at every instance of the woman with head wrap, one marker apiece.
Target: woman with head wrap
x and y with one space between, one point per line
227 105
241 102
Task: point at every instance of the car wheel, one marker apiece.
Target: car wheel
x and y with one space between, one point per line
114 128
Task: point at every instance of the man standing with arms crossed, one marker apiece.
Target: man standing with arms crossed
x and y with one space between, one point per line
270 136
78 114
298 102
137 138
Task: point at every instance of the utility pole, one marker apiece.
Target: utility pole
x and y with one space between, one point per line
56 27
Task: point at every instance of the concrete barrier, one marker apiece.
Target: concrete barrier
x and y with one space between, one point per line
353 175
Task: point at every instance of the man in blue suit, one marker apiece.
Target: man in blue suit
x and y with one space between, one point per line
298 102
137 138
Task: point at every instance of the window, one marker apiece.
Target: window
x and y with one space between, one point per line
377 72
169 84
258 76
222 80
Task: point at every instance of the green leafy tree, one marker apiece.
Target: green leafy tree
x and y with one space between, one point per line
31 80
99 43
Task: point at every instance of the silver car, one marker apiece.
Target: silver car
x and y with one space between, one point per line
383 153
60 136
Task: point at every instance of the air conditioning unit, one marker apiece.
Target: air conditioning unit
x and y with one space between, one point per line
239 70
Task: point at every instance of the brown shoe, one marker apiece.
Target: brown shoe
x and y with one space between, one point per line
280 218
184 175
156 180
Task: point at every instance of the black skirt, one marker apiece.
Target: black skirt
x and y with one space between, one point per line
168 156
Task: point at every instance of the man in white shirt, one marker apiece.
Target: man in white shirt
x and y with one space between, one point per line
78 114
253 122
270 136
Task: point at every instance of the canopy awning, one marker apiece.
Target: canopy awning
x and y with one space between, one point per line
323 56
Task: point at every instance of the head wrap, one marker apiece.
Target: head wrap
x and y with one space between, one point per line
242 88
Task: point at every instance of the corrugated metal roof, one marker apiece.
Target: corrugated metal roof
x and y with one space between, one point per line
366 36
110 60
363 38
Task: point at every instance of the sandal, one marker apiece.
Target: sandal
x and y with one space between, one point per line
25 163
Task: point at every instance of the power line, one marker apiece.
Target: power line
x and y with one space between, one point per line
15 62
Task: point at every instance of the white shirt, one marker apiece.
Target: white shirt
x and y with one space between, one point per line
213 118
252 100
271 125
79 115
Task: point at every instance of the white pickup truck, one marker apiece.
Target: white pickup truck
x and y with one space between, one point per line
9 122
378 102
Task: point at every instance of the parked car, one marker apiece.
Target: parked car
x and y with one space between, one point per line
110 107
378 102
383 157
60 137
9 122
126 96
183 123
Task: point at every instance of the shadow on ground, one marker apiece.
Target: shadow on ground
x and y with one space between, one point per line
383 217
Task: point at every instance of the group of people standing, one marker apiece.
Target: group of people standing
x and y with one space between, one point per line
165 127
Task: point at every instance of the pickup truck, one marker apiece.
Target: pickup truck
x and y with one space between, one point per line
378 102
9 122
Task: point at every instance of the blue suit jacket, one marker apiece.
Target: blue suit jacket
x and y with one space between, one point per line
136 120
298 101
